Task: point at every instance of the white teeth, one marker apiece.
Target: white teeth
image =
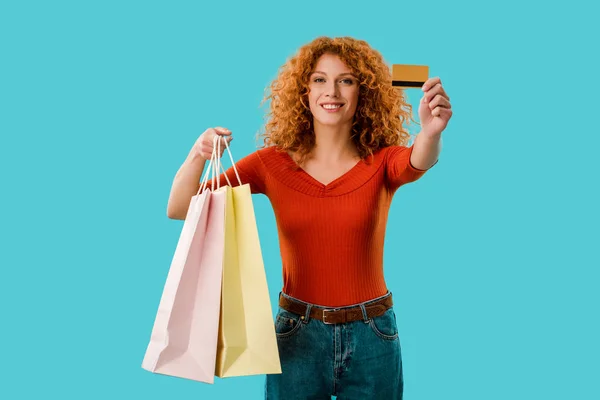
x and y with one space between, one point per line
331 106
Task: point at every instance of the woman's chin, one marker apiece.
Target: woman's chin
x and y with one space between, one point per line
330 120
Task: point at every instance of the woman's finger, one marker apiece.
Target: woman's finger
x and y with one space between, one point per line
223 131
430 83
433 92
442 112
439 101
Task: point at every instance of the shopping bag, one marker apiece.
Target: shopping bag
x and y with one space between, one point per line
247 344
184 336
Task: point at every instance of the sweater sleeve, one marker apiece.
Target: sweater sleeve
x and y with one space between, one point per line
250 171
399 170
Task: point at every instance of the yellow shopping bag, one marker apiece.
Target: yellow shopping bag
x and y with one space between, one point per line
247 344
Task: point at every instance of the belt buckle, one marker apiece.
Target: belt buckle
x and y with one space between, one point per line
325 315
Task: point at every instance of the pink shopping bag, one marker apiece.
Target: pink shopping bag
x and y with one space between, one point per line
183 342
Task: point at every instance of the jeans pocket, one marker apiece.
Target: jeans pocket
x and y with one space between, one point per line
385 325
287 324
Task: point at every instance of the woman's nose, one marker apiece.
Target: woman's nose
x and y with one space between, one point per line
332 90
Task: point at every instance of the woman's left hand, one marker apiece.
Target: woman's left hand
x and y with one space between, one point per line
434 109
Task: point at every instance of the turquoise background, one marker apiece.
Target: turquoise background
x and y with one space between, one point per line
492 256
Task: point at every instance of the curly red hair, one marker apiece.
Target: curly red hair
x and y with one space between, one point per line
381 112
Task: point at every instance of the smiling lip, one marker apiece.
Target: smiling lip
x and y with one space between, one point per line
333 109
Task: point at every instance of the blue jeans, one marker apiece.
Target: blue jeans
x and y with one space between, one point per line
354 360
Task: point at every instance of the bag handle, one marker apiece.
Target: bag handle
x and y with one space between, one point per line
209 171
232 164
219 164
215 166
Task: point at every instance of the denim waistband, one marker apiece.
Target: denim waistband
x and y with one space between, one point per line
365 303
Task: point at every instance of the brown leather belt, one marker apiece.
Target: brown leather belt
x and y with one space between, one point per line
337 315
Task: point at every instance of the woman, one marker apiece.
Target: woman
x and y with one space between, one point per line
335 152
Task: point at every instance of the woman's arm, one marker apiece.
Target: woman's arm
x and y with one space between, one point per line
426 150
435 111
185 185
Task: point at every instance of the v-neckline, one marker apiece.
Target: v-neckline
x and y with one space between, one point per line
318 182
281 166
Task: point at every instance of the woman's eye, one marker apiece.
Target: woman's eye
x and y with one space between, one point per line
346 81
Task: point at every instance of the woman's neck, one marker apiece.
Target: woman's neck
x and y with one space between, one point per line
333 143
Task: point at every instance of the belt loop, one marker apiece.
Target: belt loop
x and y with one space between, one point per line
364 313
306 316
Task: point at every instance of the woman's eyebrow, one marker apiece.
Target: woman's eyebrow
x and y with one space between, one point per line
321 72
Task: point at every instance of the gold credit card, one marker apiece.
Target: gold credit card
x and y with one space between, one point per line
409 76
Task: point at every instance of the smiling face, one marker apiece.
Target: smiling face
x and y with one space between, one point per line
333 95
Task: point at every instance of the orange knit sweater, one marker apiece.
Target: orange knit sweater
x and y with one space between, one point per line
331 236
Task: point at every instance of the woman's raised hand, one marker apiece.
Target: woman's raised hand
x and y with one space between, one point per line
205 143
